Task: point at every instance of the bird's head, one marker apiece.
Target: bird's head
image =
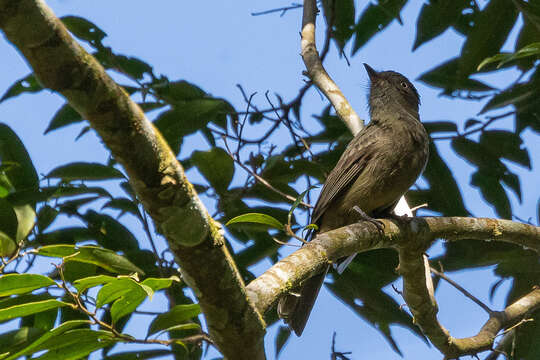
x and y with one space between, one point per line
390 89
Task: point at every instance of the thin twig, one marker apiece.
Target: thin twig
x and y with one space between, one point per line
78 305
259 178
463 291
491 119
283 10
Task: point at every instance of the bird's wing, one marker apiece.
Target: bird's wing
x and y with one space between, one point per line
349 166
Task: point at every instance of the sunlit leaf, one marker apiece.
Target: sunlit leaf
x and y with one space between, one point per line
256 218
76 344
15 284
101 257
26 309
54 333
82 284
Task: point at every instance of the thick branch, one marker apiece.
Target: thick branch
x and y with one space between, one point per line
155 174
318 74
411 239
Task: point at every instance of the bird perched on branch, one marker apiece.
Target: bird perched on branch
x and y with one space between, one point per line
378 166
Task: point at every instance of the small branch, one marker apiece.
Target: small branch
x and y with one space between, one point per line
318 74
259 178
338 355
79 305
282 10
462 290
482 127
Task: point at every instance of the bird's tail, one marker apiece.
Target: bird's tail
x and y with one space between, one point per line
294 309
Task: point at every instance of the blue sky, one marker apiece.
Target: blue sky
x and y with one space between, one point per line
217 45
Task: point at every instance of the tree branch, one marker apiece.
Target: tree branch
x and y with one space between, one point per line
62 65
411 239
319 76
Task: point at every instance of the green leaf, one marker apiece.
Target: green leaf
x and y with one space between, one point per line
54 333
282 337
125 293
160 283
138 355
488 34
68 235
444 195
109 232
55 192
341 15
471 122
258 219
12 341
65 116
85 171
89 282
493 192
15 284
26 309
216 166
124 205
180 90
28 84
440 126
101 257
190 116
7 245
133 67
298 201
436 17
26 219
374 19
46 215
84 29
8 219
76 344
177 315
23 175
521 96
507 145
448 77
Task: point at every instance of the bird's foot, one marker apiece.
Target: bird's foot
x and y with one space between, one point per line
365 217
404 219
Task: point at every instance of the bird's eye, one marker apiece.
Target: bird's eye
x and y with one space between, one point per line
404 85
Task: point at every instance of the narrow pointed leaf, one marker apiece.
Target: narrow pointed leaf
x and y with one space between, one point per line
15 284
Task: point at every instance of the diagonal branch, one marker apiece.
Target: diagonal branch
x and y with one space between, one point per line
319 76
62 65
411 238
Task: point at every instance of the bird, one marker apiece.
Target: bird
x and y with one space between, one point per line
377 167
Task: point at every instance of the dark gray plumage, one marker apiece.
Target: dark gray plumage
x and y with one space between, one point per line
378 166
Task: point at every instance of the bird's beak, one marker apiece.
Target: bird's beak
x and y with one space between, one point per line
372 73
